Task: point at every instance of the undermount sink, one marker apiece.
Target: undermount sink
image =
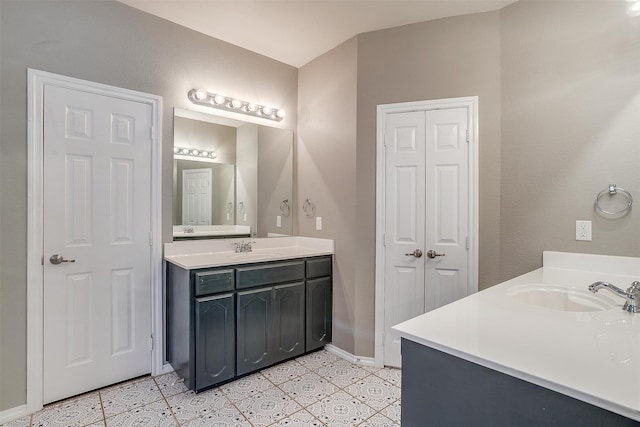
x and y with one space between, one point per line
560 298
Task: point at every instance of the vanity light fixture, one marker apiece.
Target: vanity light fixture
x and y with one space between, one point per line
633 8
191 152
215 100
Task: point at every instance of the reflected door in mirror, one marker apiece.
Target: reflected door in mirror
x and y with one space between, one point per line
196 197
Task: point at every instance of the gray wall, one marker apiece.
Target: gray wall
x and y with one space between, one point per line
570 127
445 58
326 172
110 43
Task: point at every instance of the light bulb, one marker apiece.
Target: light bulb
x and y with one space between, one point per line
251 107
185 151
176 150
201 95
281 113
219 99
633 9
205 153
267 111
195 152
235 104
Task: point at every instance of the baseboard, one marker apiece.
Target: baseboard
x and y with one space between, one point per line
13 414
358 360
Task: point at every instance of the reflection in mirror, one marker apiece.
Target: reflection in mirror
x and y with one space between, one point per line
231 178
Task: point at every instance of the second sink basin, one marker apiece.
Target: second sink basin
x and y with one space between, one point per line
560 298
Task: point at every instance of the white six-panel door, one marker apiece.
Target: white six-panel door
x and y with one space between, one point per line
196 196
426 193
404 224
97 320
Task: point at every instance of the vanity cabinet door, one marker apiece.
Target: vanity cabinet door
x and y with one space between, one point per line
319 301
254 330
215 340
288 321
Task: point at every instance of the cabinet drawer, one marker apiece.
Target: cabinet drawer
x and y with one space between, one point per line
210 282
319 267
267 274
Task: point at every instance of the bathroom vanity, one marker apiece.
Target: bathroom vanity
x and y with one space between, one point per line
537 350
230 314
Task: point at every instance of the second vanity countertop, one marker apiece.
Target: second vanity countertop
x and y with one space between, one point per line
593 356
216 253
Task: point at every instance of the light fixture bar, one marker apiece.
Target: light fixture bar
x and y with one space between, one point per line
192 152
216 100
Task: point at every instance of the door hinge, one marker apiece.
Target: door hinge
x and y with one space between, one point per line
384 239
385 139
152 133
467 242
151 238
151 342
468 136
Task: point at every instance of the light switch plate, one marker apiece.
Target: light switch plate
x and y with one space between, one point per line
278 221
583 230
318 223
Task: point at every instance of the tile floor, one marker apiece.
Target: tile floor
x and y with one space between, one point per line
319 389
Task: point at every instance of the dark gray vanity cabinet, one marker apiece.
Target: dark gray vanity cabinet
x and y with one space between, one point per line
254 330
226 322
271 315
318 303
214 333
288 321
201 325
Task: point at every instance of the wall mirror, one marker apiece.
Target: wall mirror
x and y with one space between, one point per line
230 178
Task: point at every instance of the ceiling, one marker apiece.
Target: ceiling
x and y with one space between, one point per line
297 31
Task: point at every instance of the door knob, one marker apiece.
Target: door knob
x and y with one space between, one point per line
417 253
58 259
432 254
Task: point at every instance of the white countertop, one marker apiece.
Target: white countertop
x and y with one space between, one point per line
592 356
215 253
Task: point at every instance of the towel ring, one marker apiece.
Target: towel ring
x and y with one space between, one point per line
241 209
285 209
612 191
308 207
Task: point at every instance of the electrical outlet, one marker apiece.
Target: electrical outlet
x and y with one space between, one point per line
583 230
278 221
318 223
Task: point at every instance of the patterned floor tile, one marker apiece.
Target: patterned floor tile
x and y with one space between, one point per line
315 360
268 407
308 388
284 372
74 412
392 375
170 384
379 420
20 422
342 373
245 387
370 368
340 409
189 405
122 398
156 414
375 392
299 419
393 411
227 416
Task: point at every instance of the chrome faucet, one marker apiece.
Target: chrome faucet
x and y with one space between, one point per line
243 246
632 295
